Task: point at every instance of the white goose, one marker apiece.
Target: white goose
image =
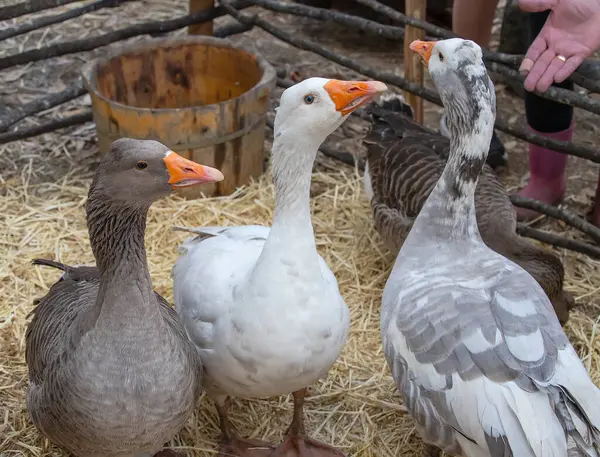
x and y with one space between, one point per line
261 305
471 339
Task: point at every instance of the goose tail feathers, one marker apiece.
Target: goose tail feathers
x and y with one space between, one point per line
70 272
391 101
583 432
575 400
51 263
202 232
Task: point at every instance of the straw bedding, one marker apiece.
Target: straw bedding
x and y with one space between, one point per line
348 409
355 408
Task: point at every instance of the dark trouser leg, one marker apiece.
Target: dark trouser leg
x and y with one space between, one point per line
551 119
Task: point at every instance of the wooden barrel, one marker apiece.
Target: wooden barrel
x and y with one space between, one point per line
204 97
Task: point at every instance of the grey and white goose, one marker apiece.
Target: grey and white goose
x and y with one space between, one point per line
404 162
112 372
471 338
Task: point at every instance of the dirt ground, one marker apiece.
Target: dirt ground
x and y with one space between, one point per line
37 163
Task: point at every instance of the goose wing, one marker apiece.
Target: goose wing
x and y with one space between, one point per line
207 272
51 331
483 362
49 334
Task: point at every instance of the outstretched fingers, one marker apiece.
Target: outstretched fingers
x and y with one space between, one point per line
568 68
540 65
546 80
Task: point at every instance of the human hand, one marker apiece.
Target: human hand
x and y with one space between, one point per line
571 32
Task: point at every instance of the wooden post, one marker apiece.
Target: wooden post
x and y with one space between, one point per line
413 68
196 6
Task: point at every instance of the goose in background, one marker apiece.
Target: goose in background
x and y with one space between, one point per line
404 162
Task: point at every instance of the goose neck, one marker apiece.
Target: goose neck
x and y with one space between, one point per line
469 143
292 161
450 210
469 146
117 232
291 239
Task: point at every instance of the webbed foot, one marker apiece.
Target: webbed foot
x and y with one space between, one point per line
296 443
234 446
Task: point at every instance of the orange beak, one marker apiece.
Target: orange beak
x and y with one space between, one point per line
423 49
350 95
185 173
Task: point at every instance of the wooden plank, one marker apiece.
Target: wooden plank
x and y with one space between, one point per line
196 6
413 68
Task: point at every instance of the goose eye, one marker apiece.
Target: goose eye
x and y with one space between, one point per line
141 165
441 57
308 99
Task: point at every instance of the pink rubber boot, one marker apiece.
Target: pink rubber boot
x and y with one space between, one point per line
547 174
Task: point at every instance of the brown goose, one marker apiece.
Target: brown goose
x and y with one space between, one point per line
111 370
405 161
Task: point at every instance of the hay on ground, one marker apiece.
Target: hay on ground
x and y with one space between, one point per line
356 408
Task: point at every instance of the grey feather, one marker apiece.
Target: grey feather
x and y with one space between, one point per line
471 338
64 412
112 372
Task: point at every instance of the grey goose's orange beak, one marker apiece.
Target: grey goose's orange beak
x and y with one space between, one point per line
185 173
423 50
351 95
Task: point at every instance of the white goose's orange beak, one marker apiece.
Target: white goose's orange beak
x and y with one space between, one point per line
185 173
423 49
350 95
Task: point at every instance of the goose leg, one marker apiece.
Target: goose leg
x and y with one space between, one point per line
234 446
296 443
